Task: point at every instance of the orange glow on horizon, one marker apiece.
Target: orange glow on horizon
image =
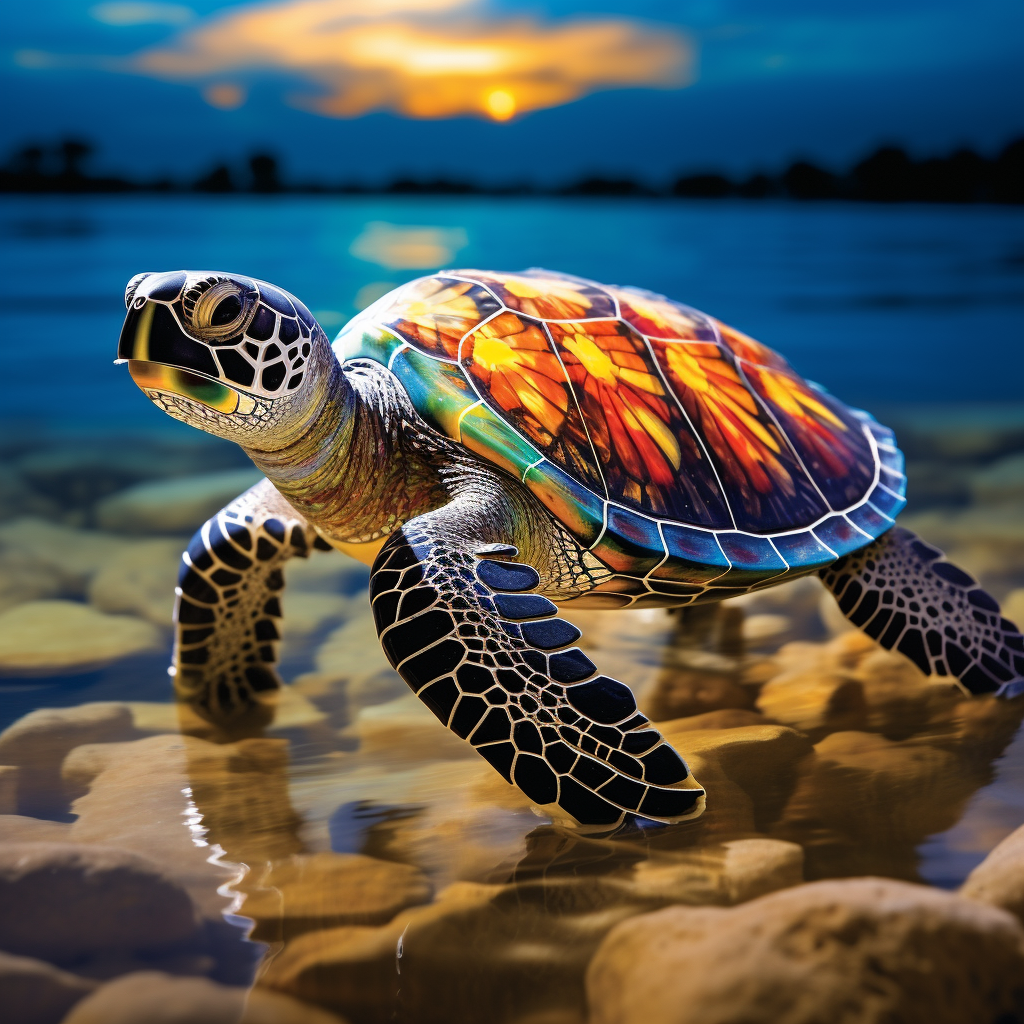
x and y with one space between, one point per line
420 58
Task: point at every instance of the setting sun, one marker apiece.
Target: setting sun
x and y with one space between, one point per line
500 104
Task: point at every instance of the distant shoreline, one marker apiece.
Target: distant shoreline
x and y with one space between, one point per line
888 175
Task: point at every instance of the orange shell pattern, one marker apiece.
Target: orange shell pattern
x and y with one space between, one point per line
641 400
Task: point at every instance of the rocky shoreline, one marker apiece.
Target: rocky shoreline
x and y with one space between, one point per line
355 862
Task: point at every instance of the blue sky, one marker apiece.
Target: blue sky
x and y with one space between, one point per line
510 89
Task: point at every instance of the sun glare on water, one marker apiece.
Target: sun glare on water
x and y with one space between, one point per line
500 104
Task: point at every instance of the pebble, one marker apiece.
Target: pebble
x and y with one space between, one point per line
35 992
867 950
67 638
150 997
179 505
122 903
999 879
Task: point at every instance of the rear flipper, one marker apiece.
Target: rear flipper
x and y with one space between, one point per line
228 609
905 595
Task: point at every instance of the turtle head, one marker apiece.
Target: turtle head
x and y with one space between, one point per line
226 353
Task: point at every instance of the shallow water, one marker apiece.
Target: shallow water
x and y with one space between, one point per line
355 855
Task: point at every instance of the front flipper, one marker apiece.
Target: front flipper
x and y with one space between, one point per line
905 595
228 603
497 667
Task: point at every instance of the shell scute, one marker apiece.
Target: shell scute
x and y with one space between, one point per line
650 457
766 487
630 543
829 439
546 295
512 365
657 317
433 314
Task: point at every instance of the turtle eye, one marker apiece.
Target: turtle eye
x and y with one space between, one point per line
227 311
222 310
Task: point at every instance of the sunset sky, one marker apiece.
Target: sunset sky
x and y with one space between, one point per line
508 90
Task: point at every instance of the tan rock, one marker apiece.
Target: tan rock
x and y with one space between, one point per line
814 702
74 555
325 890
18 828
9 788
760 760
405 729
149 997
723 875
684 692
729 718
864 803
999 879
64 902
765 626
521 956
179 505
34 992
140 581
1013 607
171 798
24 578
38 742
64 637
865 950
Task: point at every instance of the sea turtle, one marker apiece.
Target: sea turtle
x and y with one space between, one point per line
496 444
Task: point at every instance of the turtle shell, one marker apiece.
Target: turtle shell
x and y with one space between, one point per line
683 453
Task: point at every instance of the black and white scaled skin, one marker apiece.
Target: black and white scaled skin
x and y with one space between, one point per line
468 568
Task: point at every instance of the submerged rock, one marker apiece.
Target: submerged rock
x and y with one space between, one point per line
178 505
480 952
64 637
143 795
24 578
724 875
75 555
867 950
38 743
149 997
139 580
999 879
34 992
324 890
65 902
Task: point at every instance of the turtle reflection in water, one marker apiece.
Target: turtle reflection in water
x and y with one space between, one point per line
493 444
